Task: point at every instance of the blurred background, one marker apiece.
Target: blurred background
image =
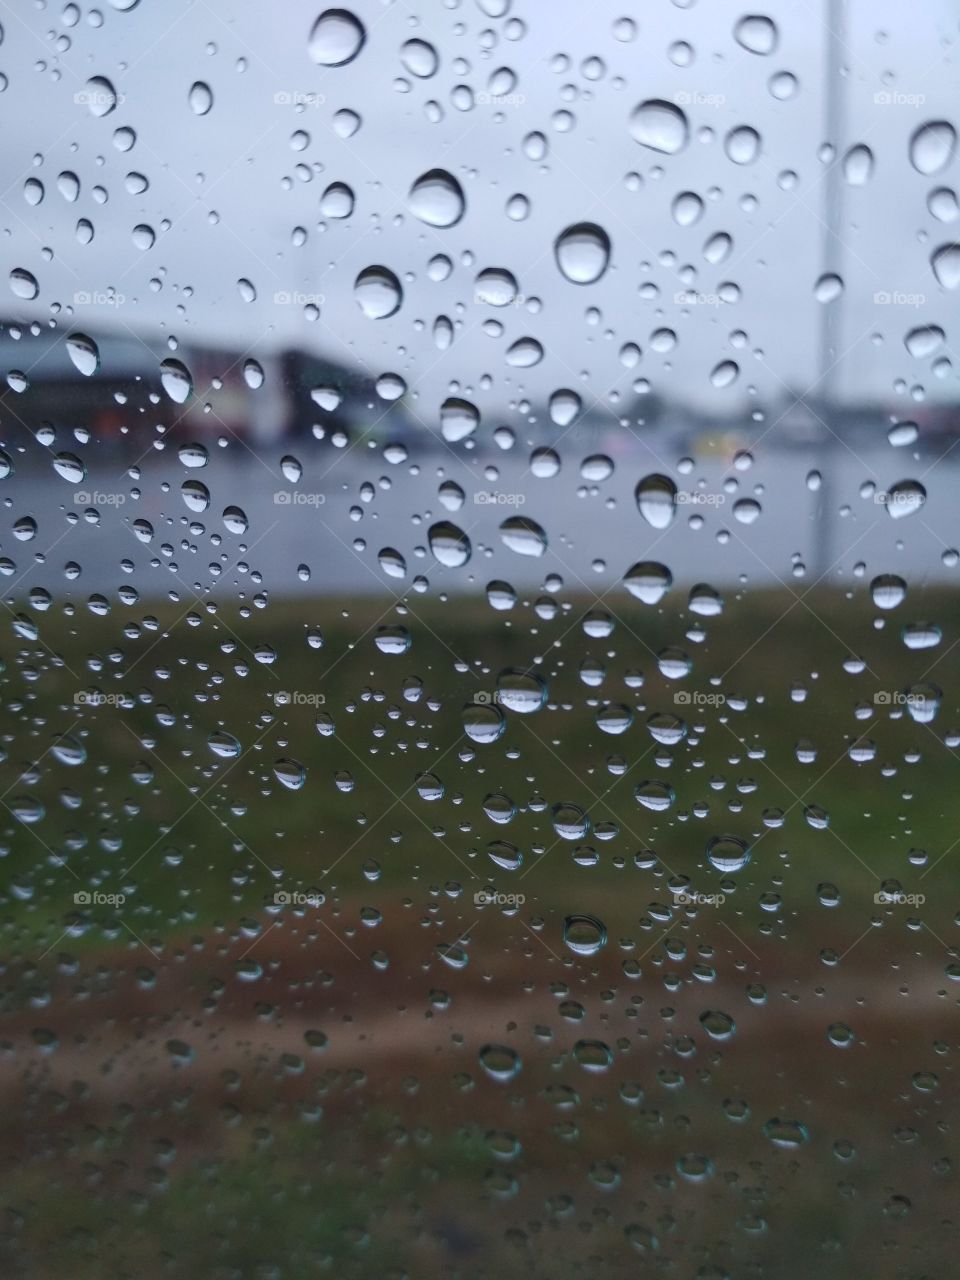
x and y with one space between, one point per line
478 553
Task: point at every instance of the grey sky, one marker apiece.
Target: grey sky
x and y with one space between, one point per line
238 161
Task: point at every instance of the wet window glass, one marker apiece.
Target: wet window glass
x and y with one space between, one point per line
479 660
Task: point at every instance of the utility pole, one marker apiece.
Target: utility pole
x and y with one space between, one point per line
832 264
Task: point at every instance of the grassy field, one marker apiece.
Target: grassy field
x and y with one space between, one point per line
200 1083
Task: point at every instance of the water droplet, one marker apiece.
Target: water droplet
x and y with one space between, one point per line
648 581
718 1025
378 292
449 545
905 498
69 467
923 341
101 97
337 37
224 744
200 98
932 146
582 252
659 125
419 58
656 497
500 1062
337 201
828 288
524 536
84 353
24 284
757 34
728 853
483 722
742 145
521 691
585 935
496 287
290 773
524 353
858 165
946 265
436 198
888 590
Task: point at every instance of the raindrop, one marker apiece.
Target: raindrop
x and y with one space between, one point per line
524 536
932 146
449 545
84 353
582 252
659 125
656 497
757 34
728 853
378 293
436 198
337 37
200 98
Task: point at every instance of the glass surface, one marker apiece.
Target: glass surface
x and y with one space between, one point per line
479 640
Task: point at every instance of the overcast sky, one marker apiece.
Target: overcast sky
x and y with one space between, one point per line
228 188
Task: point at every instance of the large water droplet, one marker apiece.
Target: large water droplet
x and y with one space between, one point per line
648 581
24 284
176 380
436 198
200 98
945 262
524 536
728 853
449 544
337 37
656 497
584 934
756 33
100 96
458 419
378 292
659 125
582 252
932 146
84 353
